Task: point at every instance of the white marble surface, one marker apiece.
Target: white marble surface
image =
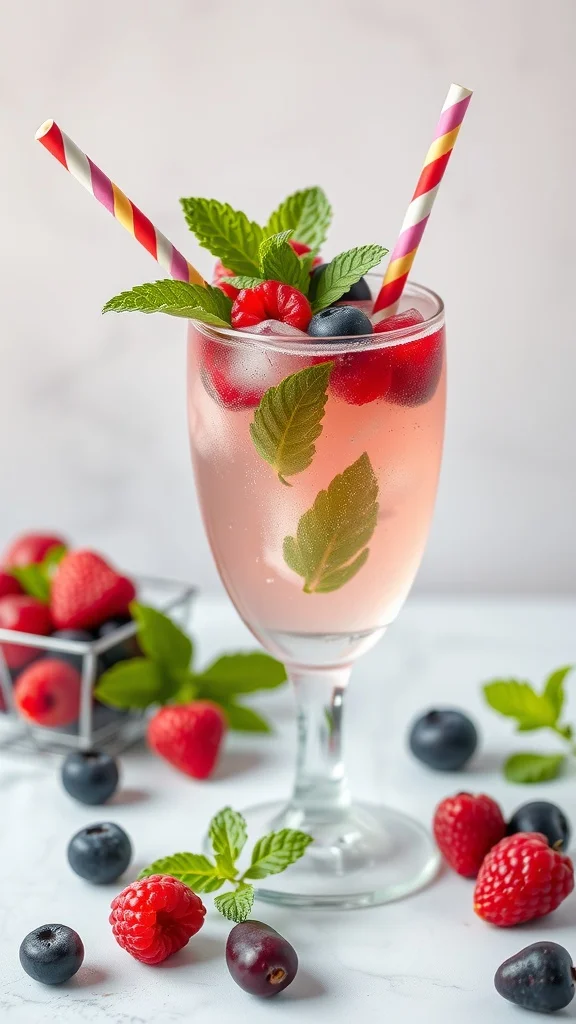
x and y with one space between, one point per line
246 102
426 959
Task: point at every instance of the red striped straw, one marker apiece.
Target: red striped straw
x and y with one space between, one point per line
437 157
123 209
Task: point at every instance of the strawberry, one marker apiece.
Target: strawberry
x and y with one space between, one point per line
466 827
30 548
188 736
8 585
86 591
25 615
48 693
522 878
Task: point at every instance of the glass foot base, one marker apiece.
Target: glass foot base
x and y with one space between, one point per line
371 855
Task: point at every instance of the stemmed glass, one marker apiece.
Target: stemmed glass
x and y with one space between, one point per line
316 464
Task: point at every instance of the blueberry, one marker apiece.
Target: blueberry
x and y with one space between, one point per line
52 953
100 853
128 648
90 776
338 321
444 739
542 816
540 977
259 959
71 634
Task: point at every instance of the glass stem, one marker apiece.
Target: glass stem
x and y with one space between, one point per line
321 792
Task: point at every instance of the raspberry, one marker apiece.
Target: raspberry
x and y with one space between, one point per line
155 917
520 879
25 615
86 591
188 736
271 301
48 693
218 366
218 273
466 827
300 248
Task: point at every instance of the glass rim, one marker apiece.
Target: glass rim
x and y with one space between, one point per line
337 344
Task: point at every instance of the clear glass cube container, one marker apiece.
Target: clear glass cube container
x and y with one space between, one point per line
97 726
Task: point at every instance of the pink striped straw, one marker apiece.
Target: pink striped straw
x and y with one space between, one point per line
123 209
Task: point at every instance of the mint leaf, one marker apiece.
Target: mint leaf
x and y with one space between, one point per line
228 835
176 298
276 851
533 767
236 906
33 581
135 683
195 870
243 719
53 557
307 213
554 688
330 543
225 232
279 262
517 699
344 271
241 673
242 281
161 639
289 418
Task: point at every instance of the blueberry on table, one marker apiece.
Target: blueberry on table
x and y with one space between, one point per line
90 776
339 321
444 739
52 953
100 853
542 816
540 977
259 959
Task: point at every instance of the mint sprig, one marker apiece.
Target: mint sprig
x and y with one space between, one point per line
227 832
225 232
36 578
307 212
279 262
344 271
176 298
166 674
518 699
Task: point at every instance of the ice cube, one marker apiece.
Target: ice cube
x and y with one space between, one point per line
275 327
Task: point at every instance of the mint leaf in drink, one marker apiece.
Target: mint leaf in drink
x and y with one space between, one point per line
517 699
176 298
276 851
242 281
36 578
344 271
136 683
554 689
243 719
289 418
307 213
195 870
228 835
236 906
241 673
529 768
331 540
225 232
279 262
161 639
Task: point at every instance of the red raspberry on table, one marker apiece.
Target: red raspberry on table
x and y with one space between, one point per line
8 584
522 878
48 693
466 827
25 615
30 548
86 591
155 917
188 736
271 301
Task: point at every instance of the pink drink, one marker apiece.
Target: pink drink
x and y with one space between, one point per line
248 513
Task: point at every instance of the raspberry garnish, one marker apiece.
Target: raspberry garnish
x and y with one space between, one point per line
522 878
155 917
466 827
271 301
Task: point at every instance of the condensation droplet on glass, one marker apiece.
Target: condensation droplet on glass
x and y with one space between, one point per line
269 579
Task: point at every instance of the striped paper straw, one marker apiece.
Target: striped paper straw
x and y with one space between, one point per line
123 209
417 214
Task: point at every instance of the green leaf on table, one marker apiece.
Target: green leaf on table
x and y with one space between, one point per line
517 699
289 418
307 213
161 639
244 719
279 262
176 298
243 281
135 683
36 578
226 233
554 688
241 673
236 906
344 271
276 851
533 767
331 540
228 835
195 870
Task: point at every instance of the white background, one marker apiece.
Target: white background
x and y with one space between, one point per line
246 102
